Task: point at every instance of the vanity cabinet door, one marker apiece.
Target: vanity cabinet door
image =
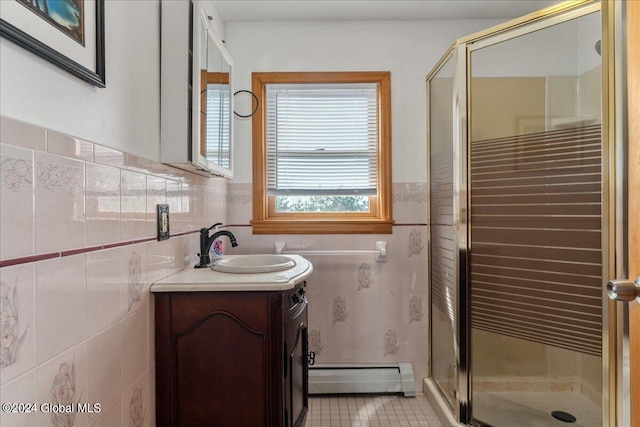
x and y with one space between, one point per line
218 359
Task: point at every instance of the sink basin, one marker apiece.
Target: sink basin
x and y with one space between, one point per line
258 263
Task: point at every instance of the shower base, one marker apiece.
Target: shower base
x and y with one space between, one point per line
533 409
524 403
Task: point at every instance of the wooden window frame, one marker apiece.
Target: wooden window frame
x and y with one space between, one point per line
378 220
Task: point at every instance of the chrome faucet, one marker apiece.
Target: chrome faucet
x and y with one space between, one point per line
206 241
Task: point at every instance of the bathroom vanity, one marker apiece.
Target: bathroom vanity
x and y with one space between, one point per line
231 349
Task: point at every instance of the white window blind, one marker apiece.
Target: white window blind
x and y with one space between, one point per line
217 132
322 139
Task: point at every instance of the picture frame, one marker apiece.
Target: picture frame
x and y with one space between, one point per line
34 32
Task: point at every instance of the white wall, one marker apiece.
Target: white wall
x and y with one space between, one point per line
217 23
124 115
408 49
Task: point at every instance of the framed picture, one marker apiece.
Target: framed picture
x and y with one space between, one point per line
67 33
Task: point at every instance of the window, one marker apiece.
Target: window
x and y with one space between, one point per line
322 153
215 123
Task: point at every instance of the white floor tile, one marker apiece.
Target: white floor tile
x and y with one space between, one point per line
370 411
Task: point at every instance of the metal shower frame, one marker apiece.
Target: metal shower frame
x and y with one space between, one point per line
615 350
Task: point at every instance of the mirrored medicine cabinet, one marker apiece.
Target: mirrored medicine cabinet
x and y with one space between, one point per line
196 92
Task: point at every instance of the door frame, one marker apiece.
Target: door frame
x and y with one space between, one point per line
616 129
633 110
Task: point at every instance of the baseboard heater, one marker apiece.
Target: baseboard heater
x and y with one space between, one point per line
383 378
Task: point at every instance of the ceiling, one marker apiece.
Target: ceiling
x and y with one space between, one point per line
374 10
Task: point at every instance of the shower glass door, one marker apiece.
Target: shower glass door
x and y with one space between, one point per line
535 184
442 243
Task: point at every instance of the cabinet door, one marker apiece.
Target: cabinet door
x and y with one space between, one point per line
297 371
222 355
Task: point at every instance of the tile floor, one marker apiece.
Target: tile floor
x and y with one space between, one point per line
370 411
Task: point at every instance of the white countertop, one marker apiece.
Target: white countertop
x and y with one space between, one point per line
206 280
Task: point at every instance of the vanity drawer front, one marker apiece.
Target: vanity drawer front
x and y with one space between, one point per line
251 309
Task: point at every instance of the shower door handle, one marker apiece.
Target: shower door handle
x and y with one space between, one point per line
623 290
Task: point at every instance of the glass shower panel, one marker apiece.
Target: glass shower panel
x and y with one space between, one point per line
535 217
442 261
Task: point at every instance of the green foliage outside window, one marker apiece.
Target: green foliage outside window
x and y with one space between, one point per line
322 204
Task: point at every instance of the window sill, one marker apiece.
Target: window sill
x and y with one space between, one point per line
315 226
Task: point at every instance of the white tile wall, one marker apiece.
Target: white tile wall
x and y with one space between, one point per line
16 180
102 204
78 325
104 290
22 389
59 203
62 380
18 320
133 205
360 310
105 364
61 305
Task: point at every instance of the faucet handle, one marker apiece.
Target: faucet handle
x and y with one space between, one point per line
217 224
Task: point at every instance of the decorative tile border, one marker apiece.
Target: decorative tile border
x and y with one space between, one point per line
55 165
70 252
15 172
63 177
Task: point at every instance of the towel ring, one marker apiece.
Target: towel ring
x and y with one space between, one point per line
257 104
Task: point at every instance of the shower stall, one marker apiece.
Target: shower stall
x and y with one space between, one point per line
519 206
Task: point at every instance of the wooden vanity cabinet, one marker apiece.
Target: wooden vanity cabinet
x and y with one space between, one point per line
231 358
